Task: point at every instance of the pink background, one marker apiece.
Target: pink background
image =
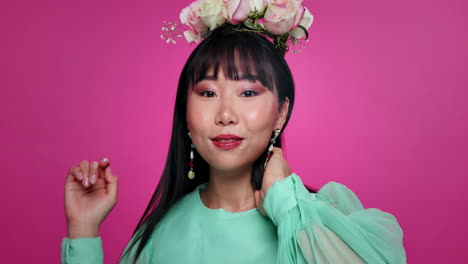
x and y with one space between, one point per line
381 107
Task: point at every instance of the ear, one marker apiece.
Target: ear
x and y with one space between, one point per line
282 114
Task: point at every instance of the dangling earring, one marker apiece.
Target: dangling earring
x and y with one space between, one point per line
191 173
270 149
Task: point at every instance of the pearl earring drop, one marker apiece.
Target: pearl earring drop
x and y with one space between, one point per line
270 149
191 173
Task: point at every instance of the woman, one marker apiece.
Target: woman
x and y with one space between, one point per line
216 201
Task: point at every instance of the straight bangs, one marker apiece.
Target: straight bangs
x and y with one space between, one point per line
239 56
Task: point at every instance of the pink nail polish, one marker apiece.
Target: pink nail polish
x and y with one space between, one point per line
80 176
86 182
92 179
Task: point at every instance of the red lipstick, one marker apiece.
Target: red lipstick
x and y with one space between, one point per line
227 141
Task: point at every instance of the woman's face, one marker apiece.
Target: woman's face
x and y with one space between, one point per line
231 122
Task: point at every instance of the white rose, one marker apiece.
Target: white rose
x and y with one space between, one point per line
257 6
213 13
190 16
306 21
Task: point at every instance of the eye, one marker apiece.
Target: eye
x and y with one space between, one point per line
249 93
207 94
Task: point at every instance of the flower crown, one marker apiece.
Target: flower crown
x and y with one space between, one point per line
284 22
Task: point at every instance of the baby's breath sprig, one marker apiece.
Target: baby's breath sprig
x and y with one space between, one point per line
298 44
172 30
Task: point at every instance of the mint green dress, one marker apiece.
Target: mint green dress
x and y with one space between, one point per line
330 226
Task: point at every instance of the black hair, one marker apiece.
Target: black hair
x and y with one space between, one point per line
233 52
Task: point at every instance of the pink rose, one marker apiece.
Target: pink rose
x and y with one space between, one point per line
191 16
237 10
283 16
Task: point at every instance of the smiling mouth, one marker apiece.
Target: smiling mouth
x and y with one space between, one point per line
227 144
226 140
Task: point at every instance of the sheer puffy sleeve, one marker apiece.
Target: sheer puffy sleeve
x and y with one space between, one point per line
330 226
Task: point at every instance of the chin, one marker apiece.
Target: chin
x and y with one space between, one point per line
231 160
228 164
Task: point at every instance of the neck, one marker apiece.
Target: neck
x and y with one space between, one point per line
230 190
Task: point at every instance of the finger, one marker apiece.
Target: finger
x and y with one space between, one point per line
111 181
73 174
278 154
93 172
259 202
277 151
262 199
84 165
257 196
104 163
77 173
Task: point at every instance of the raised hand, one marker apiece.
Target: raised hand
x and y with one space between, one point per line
90 195
276 169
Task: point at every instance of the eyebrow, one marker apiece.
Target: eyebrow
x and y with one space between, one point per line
243 77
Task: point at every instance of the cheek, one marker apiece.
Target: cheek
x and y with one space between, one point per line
260 119
200 116
191 117
196 115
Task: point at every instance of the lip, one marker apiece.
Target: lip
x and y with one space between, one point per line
236 141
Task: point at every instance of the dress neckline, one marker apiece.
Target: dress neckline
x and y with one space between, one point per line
219 211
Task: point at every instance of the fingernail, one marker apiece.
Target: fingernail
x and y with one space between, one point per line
105 160
86 182
80 176
92 179
95 165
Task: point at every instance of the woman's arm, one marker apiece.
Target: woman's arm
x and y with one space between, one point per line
331 226
90 195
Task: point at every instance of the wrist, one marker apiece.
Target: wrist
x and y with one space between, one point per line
267 184
77 230
280 199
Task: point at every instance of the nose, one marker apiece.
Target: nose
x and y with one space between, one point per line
226 114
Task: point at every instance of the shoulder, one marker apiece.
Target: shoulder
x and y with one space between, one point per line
184 205
181 210
174 221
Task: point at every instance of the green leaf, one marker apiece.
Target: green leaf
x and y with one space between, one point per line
249 24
